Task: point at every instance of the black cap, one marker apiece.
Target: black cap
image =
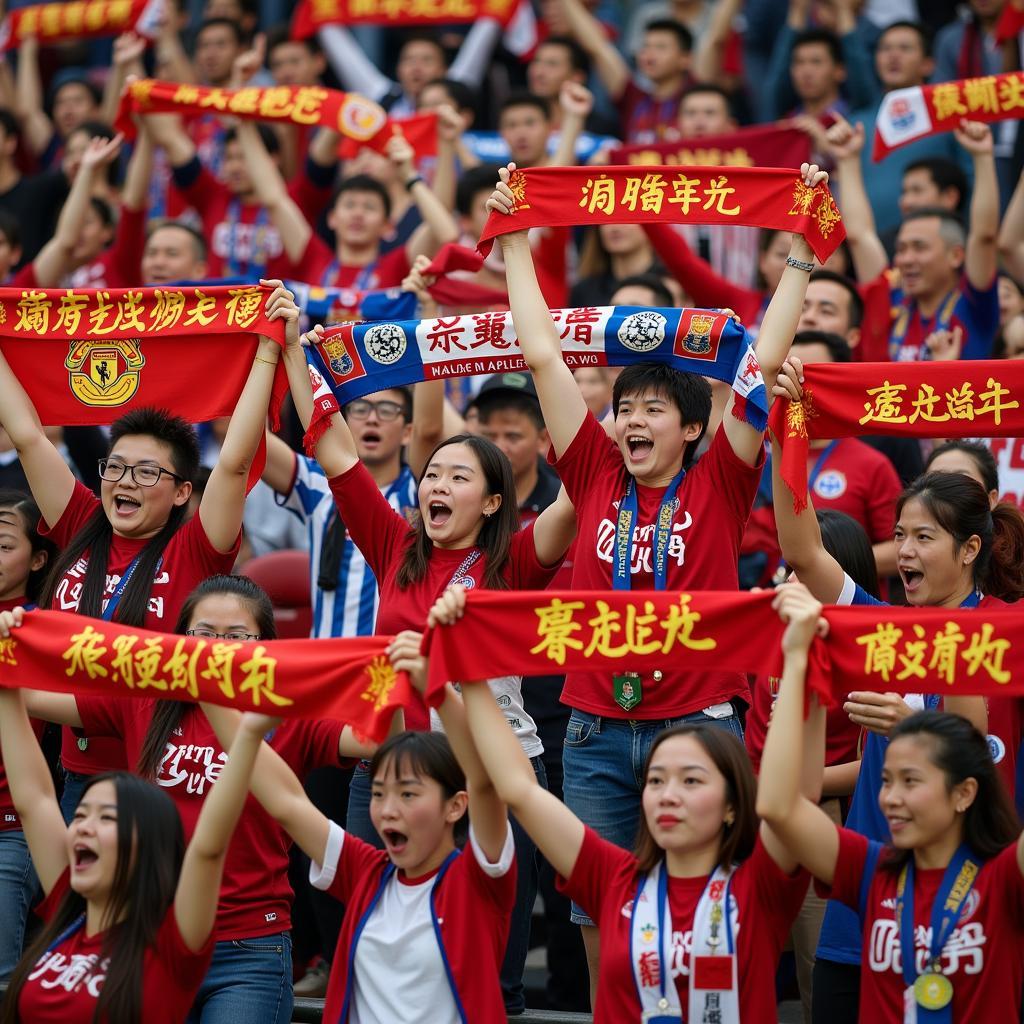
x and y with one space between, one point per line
511 383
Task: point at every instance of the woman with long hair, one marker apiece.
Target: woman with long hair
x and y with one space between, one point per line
132 556
941 900
173 744
24 556
130 908
697 915
972 458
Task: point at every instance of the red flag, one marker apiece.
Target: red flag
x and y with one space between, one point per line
1011 21
420 131
350 680
758 196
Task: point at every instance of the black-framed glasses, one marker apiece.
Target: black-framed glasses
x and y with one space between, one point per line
208 634
386 411
143 473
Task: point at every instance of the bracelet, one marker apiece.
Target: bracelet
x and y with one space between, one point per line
792 261
413 181
269 362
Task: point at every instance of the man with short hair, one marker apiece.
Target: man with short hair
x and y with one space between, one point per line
174 251
557 60
817 70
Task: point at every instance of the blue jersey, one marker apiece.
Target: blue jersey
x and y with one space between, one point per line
351 608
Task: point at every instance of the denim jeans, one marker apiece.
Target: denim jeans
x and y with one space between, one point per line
17 887
604 759
74 786
249 980
522 913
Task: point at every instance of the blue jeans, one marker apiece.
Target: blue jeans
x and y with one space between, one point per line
522 913
18 885
249 980
74 786
603 760
357 821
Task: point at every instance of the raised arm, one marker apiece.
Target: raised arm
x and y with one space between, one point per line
777 329
557 832
128 51
36 127
1011 234
336 449
710 54
561 402
354 69
220 510
555 529
168 132
799 534
845 143
54 259
610 65
438 227
195 899
789 819
486 810
576 101
279 469
980 258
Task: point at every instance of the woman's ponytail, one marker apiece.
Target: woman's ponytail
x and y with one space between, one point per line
1004 577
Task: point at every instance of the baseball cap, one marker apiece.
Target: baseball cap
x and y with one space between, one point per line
511 383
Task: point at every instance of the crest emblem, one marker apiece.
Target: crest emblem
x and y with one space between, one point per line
360 118
338 357
385 343
642 332
698 337
104 374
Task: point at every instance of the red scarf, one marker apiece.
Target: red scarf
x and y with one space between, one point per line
964 398
350 680
759 146
764 197
310 15
349 113
61 22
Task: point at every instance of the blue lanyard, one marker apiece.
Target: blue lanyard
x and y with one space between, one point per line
67 933
819 464
939 322
363 279
115 598
256 262
956 884
629 511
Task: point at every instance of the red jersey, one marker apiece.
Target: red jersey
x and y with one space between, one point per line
604 882
714 502
983 958
319 266
187 560
382 534
66 981
120 266
472 908
255 897
645 119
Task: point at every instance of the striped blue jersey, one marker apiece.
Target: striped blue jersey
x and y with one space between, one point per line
350 609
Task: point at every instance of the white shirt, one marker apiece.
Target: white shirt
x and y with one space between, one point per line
508 692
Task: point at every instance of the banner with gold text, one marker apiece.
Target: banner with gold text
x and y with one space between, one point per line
759 146
312 15
80 19
86 356
922 110
352 115
349 679
962 398
764 197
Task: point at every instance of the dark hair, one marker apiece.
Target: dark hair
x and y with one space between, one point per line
104 211
280 35
944 174
684 37
730 757
79 77
95 536
495 537
195 236
960 752
709 89
959 504
362 183
423 36
27 511
578 59
9 124
915 26
236 29
820 36
838 347
980 454
167 714
425 755
847 542
688 392
269 138
951 227
522 98
856 302
461 95
405 398
501 401
472 182
662 296
150 849
10 229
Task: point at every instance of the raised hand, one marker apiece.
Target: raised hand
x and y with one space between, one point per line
844 141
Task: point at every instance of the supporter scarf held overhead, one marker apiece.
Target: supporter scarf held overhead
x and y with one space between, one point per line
352 115
764 197
758 146
357 359
963 398
64 22
312 15
349 679
923 110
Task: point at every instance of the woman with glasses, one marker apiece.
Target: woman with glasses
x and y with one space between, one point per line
171 743
131 556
